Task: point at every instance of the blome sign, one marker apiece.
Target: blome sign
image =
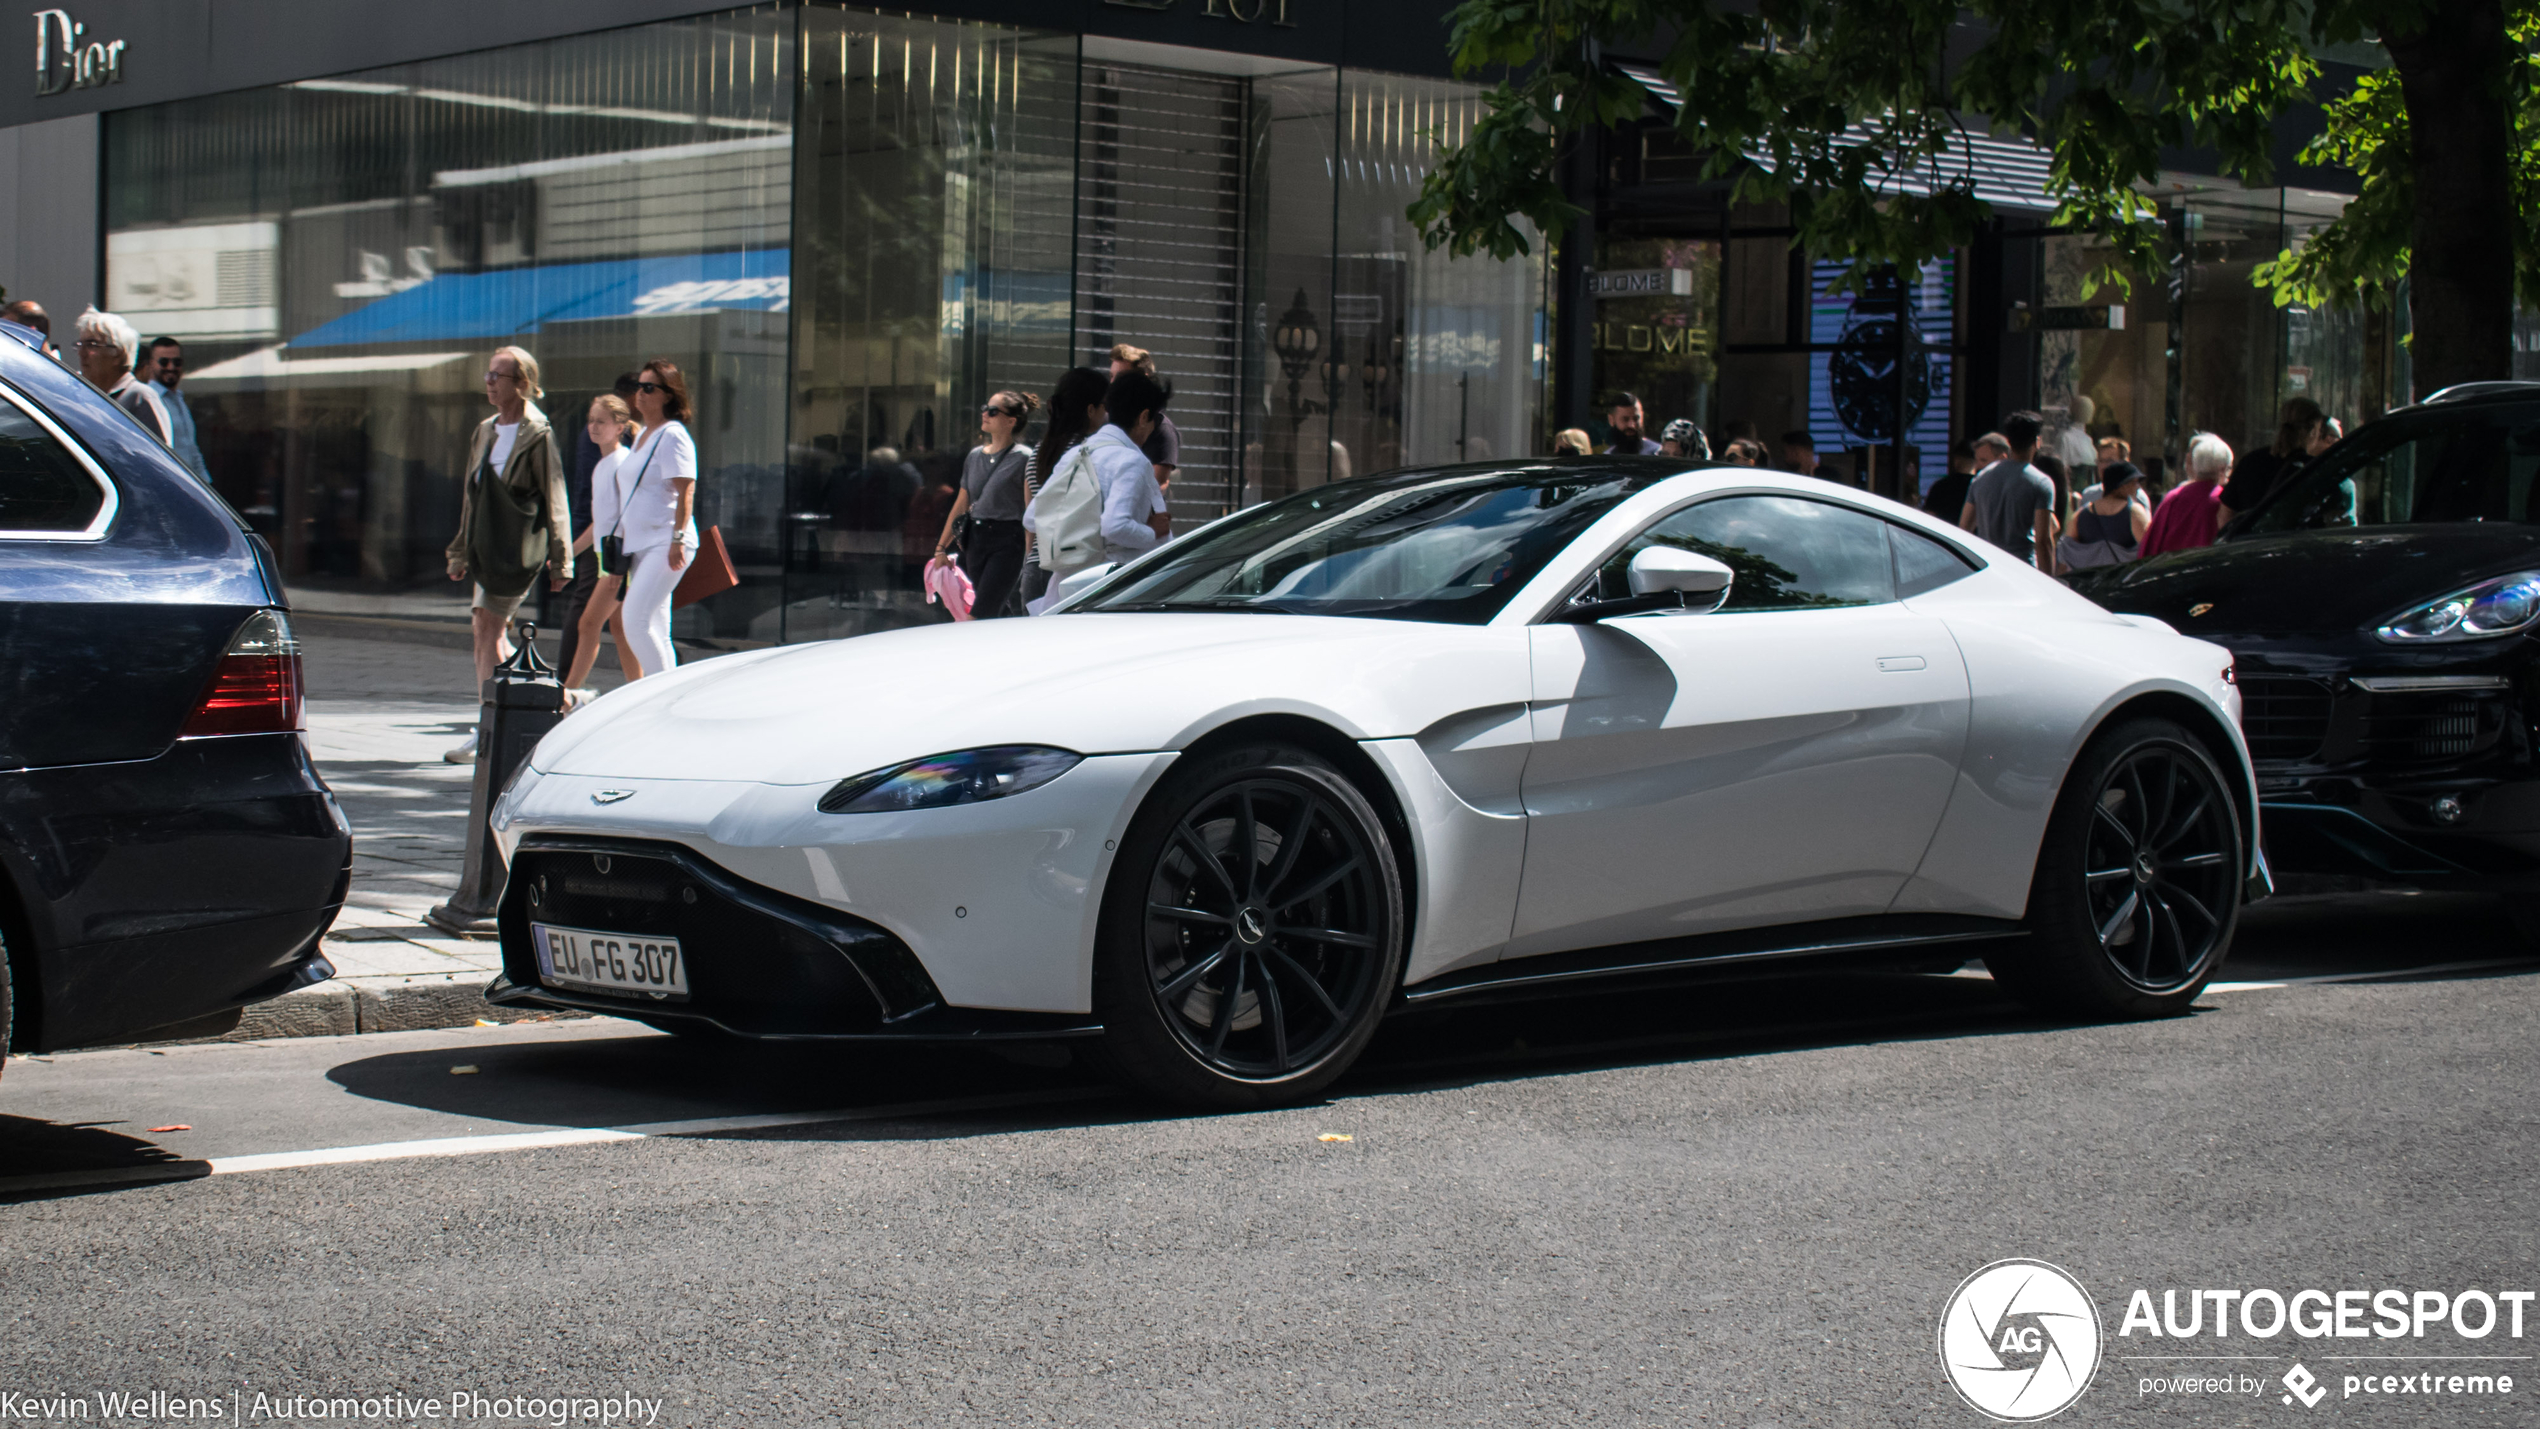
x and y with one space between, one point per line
2020 1341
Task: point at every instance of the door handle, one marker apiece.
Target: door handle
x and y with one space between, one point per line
1902 662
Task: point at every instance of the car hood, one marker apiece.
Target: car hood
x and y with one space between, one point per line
2311 581
1095 684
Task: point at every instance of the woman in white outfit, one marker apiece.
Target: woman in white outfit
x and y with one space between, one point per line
657 504
609 423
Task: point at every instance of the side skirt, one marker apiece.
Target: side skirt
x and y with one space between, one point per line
1882 940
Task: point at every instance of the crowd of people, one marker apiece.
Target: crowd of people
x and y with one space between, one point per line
2004 488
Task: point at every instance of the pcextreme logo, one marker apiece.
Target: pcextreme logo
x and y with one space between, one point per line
2020 1340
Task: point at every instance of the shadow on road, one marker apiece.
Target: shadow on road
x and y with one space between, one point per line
71 1158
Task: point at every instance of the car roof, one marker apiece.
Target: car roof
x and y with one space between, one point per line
2462 393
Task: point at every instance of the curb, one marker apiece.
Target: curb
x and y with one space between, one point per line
335 1009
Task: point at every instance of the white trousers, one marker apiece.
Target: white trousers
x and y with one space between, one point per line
643 620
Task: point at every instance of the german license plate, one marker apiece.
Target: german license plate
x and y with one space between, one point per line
611 962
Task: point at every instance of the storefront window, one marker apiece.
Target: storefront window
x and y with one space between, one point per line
1661 346
2110 377
934 206
1434 359
341 255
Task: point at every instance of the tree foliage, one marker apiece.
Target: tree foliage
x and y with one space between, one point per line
2366 133
1845 104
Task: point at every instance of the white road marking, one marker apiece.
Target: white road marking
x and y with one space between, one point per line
2384 975
529 1140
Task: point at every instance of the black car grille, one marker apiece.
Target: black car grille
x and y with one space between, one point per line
758 961
2284 717
2426 727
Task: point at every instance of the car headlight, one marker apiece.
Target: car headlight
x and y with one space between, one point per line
969 776
2503 606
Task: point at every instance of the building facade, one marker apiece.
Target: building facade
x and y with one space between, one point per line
848 227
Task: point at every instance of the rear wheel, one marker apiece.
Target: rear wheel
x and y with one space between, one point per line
1252 931
2138 884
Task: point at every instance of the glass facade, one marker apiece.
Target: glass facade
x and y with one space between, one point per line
848 228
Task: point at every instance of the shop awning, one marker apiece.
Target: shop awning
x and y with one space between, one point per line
2006 173
458 307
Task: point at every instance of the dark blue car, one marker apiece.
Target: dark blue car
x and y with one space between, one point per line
167 852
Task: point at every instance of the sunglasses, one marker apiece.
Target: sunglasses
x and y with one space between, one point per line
996 411
650 387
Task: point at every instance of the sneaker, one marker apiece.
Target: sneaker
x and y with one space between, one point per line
464 754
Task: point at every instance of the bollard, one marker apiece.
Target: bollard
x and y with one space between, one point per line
522 701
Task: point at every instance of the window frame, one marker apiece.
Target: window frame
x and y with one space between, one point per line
112 502
1561 604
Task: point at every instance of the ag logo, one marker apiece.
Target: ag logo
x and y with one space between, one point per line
2020 1340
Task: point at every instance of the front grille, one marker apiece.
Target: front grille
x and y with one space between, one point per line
2285 717
758 961
2425 727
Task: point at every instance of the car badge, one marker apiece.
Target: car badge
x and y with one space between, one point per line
2199 608
611 796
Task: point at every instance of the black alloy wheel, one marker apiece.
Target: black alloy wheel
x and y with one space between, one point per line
2139 884
1252 931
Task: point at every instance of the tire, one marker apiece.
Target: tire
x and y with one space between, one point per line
2139 880
1252 931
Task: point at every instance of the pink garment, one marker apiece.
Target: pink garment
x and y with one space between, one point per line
2185 519
946 583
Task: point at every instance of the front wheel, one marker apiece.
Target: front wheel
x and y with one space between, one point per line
2138 884
1252 931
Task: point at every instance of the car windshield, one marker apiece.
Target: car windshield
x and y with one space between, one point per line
1448 546
2469 464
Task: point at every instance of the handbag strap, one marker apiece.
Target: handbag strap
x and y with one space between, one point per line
629 499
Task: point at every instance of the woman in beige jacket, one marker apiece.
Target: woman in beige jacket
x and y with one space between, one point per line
513 516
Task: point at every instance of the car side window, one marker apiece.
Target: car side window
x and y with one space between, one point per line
1923 564
43 488
1789 553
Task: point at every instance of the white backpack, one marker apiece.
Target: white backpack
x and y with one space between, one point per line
1067 514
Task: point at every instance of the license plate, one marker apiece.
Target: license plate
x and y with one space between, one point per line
611 962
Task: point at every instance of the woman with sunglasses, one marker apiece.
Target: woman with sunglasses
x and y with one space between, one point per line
994 481
657 517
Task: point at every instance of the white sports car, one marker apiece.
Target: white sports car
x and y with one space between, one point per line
1433 734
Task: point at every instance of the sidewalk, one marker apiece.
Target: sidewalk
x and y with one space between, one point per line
382 709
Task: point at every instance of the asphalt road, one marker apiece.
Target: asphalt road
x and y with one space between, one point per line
1733 1206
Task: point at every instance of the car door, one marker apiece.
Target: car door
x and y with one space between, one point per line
1784 758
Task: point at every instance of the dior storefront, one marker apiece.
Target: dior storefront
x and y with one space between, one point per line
848 226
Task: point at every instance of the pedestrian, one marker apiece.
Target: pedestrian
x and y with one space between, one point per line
1570 441
994 478
592 597
2108 529
2011 503
513 514
1799 454
1075 408
108 348
1948 496
25 321
167 369
1164 447
1108 479
658 516
2262 471
2185 520
1681 438
1746 451
2061 475
2109 452
1624 416
592 447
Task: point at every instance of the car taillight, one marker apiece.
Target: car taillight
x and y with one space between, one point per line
256 690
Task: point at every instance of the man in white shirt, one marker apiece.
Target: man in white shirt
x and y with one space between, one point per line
166 370
1134 518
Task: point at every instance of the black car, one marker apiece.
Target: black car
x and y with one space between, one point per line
167 852
2383 608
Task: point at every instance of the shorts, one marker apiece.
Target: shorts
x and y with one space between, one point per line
505 606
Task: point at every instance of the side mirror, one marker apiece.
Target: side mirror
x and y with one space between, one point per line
1662 578
1667 568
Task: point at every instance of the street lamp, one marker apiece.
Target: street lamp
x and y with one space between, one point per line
1296 340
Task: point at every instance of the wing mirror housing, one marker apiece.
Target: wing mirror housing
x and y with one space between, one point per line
1662 578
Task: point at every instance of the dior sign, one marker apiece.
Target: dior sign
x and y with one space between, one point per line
65 58
1241 11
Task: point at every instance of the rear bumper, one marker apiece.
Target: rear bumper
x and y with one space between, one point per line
164 890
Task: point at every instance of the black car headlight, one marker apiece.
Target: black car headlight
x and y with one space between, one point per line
938 781
2506 605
